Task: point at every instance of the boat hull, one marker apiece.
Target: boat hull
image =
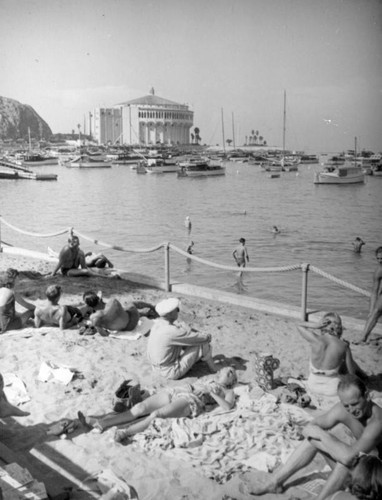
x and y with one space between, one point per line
322 178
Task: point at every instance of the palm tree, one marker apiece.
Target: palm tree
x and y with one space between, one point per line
228 141
197 136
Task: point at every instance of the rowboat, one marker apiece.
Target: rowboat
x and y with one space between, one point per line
86 161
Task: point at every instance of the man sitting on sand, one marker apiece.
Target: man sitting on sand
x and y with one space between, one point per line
172 348
71 260
330 355
55 314
111 315
359 414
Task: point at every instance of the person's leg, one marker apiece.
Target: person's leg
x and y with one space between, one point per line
372 320
335 481
300 458
139 410
176 409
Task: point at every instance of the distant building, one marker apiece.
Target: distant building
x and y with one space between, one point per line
148 120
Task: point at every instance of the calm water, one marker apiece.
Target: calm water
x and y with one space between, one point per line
116 205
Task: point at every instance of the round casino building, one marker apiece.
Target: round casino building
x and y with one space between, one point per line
149 120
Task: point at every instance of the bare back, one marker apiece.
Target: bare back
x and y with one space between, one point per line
113 317
328 353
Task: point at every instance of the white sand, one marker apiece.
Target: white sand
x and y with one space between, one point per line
103 363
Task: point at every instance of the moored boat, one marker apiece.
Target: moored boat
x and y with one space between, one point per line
86 161
201 168
161 166
340 174
35 160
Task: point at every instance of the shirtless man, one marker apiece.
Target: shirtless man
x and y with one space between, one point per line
330 355
71 260
54 314
359 414
111 315
97 260
240 254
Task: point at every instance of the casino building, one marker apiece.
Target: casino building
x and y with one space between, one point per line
148 120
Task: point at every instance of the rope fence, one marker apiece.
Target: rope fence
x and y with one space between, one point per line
167 246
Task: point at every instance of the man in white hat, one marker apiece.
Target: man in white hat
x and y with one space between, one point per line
173 349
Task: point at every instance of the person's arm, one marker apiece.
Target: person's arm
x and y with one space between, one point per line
62 315
246 255
37 318
182 337
352 367
81 260
227 402
23 302
308 334
340 451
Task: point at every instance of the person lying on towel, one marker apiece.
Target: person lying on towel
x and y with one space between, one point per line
112 316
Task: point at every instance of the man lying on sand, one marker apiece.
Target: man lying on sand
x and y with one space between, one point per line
55 314
359 414
111 315
173 402
173 348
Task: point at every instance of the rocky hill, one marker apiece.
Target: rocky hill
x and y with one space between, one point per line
16 118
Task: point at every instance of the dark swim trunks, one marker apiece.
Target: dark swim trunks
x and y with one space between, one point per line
133 317
74 313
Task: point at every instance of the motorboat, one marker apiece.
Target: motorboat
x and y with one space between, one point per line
35 160
161 166
86 161
340 174
11 170
309 159
201 168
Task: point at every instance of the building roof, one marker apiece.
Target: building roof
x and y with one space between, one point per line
151 100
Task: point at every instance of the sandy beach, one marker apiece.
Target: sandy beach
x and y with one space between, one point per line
153 465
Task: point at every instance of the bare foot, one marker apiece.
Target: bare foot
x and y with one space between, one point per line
90 422
8 410
262 489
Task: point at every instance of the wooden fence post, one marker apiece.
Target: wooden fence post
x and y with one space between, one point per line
304 291
167 266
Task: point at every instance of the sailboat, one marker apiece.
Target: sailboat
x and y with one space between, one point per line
287 164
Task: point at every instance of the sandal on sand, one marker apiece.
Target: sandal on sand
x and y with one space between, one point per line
65 426
96 426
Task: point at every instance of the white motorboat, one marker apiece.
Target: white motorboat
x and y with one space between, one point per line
161 166
201 168
86 161
340 174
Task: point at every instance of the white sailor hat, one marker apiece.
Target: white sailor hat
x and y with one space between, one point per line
166 306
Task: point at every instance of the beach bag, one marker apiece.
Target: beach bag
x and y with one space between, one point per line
265 365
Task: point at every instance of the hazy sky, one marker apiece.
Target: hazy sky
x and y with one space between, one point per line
65 57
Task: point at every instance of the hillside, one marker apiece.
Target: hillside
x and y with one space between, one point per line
16 118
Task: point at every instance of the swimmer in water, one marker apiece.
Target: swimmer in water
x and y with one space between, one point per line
275 230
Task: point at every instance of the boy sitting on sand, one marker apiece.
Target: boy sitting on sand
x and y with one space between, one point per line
54 314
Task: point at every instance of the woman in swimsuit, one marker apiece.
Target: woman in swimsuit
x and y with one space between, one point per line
174 402
330 355
9 318
55 314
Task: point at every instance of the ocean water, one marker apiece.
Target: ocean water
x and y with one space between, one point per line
120 207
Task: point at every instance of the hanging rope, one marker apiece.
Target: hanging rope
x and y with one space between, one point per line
121 249
39 235
339 281
235 268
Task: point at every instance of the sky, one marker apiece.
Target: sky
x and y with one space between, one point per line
229 60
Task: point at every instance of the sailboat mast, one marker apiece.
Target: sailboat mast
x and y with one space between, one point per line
233 131
284 123
355 151
223 131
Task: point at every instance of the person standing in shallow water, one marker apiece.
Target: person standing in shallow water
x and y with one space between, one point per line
240 254
376 298
188 224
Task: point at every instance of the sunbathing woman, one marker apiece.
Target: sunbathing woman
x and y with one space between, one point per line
55 314
9 318
330 355
174 402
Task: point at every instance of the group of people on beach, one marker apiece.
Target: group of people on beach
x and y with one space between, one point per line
173 348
